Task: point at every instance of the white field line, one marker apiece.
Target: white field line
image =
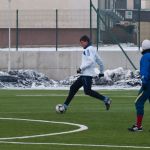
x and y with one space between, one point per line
61 95
81 128
81 145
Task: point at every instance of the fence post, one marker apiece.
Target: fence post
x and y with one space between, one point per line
56 29
17 31
97 39
139 24
91 20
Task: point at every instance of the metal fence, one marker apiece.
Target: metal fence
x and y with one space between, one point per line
57 28
46 18
44 27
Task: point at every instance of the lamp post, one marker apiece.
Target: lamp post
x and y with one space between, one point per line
9 34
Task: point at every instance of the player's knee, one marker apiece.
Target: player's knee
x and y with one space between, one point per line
87 91
137 105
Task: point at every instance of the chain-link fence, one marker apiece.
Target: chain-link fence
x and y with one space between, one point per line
57 28
44 27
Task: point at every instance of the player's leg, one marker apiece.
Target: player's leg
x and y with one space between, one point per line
87 83
140 91
139 105
73 90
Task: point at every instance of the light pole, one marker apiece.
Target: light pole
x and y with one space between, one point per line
9 34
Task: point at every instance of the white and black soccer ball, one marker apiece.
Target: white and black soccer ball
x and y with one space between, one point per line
60 108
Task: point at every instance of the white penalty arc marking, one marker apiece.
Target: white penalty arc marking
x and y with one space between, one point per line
81 128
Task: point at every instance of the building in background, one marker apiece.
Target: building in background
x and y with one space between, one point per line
62 22
36 23
46 4
127 19
44 22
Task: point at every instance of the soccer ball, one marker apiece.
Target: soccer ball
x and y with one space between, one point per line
60 108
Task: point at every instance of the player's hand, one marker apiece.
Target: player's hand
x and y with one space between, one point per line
79 70
101 75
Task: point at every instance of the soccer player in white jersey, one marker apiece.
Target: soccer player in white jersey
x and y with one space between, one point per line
86 72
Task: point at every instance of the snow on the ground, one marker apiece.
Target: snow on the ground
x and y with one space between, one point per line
29 79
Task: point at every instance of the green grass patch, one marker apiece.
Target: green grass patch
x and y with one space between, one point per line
104 127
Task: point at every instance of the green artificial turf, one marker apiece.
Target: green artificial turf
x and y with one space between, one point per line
106 129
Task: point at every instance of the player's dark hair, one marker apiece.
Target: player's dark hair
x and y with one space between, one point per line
85 38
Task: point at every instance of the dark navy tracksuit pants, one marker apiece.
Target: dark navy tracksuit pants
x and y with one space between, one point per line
86 82
141 99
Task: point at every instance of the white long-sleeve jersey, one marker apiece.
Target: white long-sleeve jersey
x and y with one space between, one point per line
90 58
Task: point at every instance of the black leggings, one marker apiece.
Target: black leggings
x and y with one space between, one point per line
86 82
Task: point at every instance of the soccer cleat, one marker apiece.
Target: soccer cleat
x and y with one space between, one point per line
134 128
107 102
65 106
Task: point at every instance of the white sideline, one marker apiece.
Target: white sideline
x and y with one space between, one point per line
84 145
60 95
81 128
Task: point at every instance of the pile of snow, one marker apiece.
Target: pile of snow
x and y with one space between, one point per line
26 79
120 77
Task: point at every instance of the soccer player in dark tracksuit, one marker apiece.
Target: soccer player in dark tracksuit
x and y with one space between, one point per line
144 92
86 71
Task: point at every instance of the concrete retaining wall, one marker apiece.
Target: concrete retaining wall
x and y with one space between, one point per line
59 65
